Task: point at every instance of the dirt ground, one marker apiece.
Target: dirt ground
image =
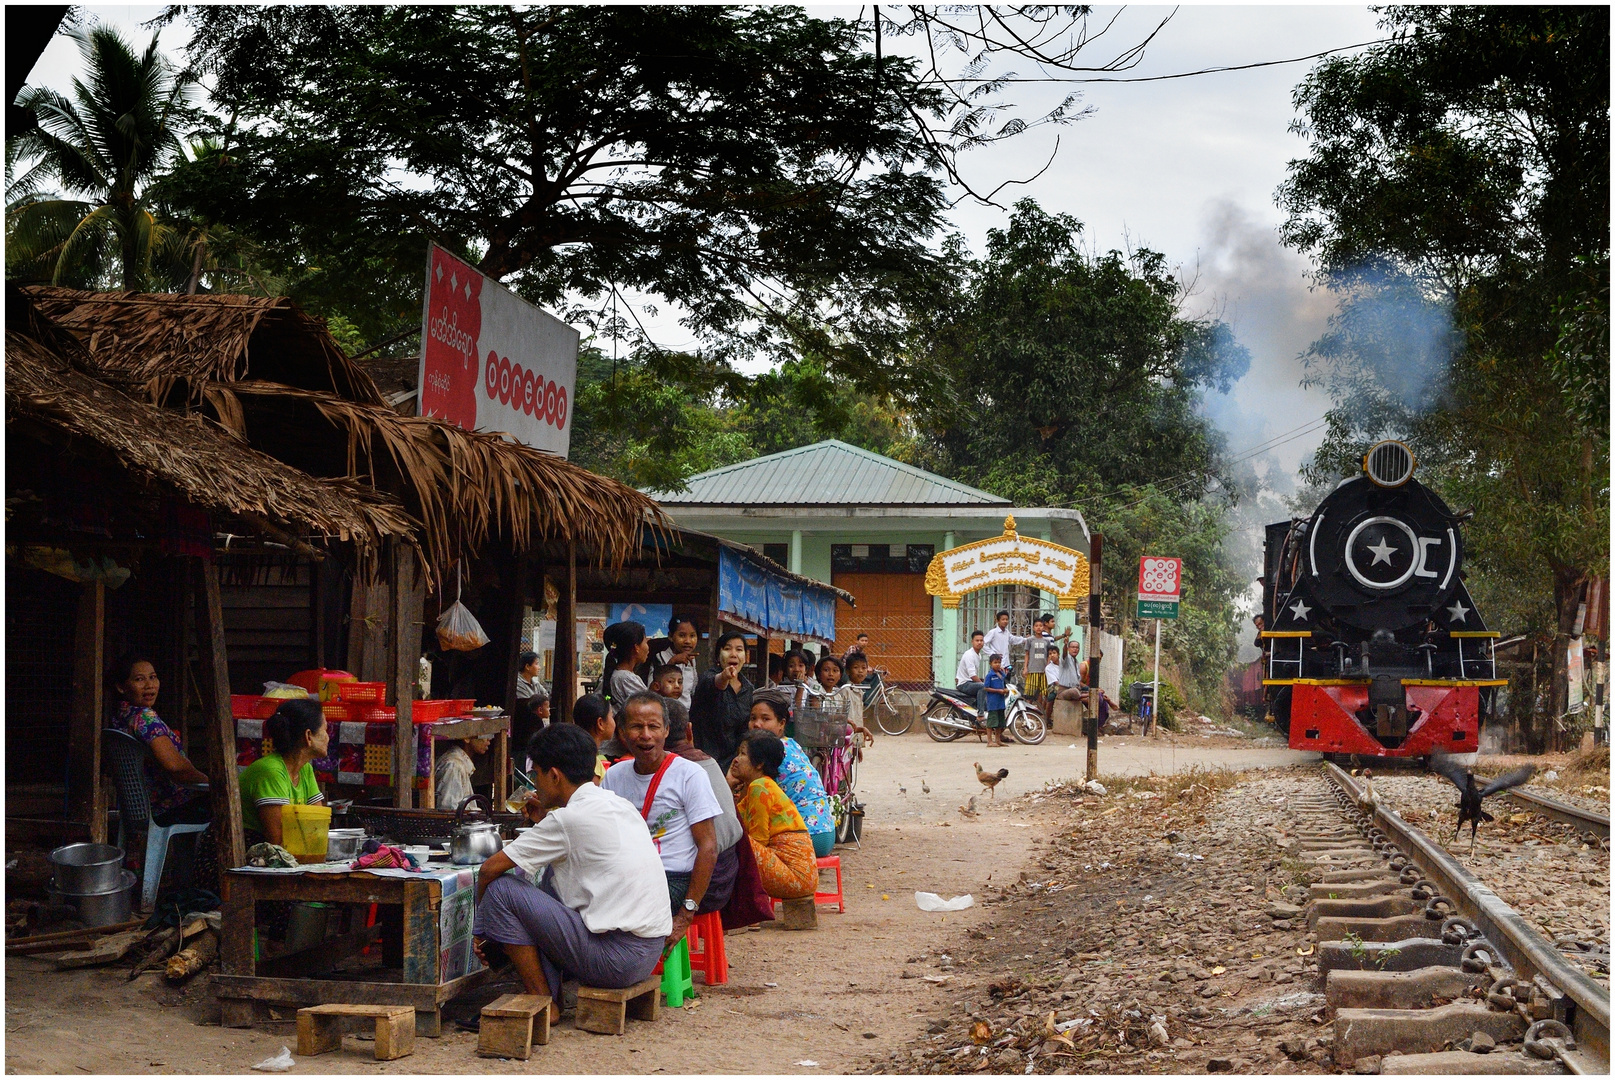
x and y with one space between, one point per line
835 1000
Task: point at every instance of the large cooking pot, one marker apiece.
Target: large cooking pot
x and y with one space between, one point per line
474 841
83 869
102 908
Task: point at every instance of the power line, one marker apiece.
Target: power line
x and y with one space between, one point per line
1177 75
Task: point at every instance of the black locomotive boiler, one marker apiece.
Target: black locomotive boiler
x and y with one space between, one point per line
1371 642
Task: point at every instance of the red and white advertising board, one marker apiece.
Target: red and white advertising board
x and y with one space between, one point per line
491 361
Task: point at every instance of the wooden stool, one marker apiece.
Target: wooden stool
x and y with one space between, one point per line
320 1028
606 1012
801 913
512 1024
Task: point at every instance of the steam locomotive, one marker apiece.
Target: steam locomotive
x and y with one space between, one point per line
1371 643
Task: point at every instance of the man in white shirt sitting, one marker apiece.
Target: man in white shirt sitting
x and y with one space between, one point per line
601 914
967 676
675 800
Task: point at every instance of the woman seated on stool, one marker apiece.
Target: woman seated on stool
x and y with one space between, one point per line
779 837
168 770
601 914
293 738
797 776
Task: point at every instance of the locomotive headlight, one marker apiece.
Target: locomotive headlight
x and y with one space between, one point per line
1389 463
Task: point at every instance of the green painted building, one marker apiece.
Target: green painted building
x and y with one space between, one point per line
870 525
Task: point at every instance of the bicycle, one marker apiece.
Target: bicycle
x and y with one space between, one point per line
833 749
888 716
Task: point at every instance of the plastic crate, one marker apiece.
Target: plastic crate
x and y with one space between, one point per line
362 693
253 706
375 714
337 712
430 712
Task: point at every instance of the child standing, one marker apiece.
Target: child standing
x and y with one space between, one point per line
995 692
669 682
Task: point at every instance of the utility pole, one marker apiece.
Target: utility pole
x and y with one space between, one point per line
1096 622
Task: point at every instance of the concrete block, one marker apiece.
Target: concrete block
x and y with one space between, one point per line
1067 719
1373 907
1365 889
1459 1063
1368 874
1409 954
1395 928
1360 1032
1418 989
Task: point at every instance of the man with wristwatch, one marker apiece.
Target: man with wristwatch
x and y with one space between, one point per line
675 798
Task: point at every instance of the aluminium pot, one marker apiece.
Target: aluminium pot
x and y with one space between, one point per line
474 842
103 908
343 845
81 869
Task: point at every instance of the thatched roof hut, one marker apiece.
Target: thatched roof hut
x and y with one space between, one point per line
51 396
266 372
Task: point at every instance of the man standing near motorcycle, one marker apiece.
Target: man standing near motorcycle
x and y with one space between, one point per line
967 676
999 640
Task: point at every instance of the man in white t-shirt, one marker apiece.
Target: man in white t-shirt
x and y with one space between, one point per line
600 916
682 808
968 676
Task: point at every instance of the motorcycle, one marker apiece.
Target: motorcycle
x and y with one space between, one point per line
951 714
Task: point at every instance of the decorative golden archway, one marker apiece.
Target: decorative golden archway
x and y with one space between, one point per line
1010 559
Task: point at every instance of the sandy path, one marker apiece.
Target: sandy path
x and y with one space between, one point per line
840 995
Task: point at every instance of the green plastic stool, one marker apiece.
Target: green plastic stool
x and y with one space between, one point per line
678 981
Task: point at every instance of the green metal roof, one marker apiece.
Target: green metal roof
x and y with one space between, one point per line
829 473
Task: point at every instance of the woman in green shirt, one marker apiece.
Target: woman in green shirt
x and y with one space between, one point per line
294 737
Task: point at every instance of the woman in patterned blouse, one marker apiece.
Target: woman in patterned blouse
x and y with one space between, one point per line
168 770
797 776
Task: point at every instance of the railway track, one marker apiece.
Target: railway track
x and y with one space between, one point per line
1408 946
1584 821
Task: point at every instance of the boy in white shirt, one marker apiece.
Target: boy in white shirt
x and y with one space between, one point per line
601 914
968 676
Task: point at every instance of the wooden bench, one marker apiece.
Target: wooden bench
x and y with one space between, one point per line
320 1028
512 1024
606 1012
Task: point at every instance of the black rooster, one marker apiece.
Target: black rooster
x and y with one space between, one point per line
1471 793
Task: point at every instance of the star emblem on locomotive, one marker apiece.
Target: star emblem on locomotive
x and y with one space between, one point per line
1382 552
1458 612
1299 609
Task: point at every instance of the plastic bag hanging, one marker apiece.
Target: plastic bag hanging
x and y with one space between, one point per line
458 629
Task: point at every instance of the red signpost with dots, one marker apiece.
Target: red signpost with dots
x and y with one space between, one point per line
1160 586
490 361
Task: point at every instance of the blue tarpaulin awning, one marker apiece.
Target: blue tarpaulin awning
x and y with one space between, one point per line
755 598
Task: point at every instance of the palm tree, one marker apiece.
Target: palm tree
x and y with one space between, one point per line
78 215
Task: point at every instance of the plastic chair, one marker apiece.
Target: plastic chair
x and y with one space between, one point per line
678 982
707 955
127 755
832 862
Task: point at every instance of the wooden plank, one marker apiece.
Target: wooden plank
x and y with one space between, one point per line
501 768
218 723
322 888
61 938
88 709
236 921
470 729
403 662
422 996
264 597
251 624
565 664
421 956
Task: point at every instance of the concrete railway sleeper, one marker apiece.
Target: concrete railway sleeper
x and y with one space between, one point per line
1426 970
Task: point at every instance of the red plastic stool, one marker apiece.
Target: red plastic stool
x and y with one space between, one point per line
832 862
707 955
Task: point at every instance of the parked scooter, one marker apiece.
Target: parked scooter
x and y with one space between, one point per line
951 714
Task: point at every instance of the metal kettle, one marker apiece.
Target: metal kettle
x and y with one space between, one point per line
474 841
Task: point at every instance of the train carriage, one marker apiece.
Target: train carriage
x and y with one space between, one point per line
1372 645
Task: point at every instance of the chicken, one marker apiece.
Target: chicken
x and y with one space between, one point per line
969 809
1470 793
925 787
989 780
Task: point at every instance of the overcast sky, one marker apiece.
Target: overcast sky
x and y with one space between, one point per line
1187 167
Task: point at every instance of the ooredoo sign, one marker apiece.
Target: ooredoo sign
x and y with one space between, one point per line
490 361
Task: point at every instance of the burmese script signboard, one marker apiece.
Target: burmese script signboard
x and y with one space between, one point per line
490 361
1010 559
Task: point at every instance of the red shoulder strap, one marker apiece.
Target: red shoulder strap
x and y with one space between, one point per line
655 782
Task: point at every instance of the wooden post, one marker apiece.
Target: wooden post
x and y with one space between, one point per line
221 727
565 668
521 568
1096 622
89 710
712 613
403 661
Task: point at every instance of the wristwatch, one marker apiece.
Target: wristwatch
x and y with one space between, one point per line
690 905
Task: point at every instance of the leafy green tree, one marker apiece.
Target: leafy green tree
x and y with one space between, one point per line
77 184
743 163
1458 178
799 403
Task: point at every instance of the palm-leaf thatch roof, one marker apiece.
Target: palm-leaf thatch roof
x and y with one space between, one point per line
465 486
160 342
207 466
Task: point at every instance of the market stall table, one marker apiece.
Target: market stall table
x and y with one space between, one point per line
431 962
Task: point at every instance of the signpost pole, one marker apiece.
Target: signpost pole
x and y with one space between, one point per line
1096 621
1155 694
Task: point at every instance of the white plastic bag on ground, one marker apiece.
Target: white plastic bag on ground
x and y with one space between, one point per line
930 901
279 1063
1094 787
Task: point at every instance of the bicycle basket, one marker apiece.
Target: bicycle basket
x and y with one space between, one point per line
818 728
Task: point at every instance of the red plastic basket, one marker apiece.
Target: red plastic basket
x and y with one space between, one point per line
362 693
337 712
428 712
253 707
376 714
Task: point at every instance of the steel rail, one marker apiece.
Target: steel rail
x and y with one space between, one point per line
1584 820
1528 952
